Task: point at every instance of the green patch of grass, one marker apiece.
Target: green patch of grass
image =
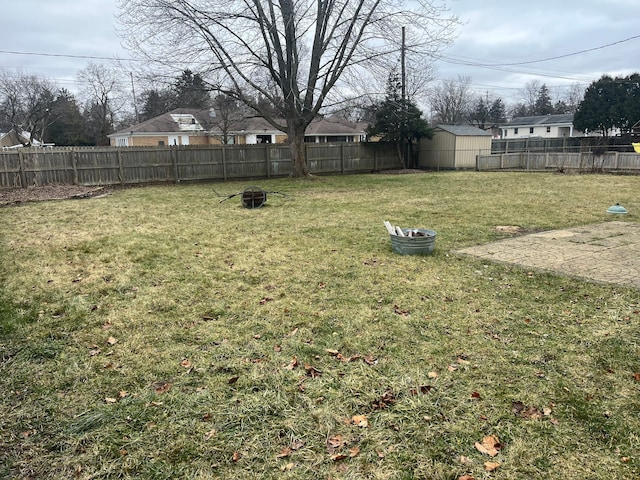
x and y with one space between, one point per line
158 333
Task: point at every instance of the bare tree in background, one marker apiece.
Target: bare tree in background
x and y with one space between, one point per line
293 53
25 105
104 95
451 101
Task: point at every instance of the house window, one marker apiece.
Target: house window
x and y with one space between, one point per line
161 143
548 129
264 138
515 131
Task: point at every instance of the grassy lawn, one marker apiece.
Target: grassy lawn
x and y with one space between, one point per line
157 333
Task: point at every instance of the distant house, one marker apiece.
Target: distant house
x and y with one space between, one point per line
542 126
13 139
186 126
454 147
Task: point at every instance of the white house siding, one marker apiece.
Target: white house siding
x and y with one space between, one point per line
539 131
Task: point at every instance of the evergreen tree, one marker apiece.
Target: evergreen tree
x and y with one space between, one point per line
66 125
398 120
156 102
609 103
498 112
543 105
191 91
480 114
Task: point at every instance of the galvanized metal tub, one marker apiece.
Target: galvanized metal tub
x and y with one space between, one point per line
422 242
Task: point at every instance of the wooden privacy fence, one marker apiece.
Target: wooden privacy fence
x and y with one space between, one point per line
541 161
25 167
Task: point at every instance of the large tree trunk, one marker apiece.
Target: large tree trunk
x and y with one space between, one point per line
298 151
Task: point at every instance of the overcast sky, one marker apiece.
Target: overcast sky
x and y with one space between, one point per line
512 38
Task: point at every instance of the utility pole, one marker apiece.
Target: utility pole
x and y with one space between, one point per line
403 67
404 96
135 102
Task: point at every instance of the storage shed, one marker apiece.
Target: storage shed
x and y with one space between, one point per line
454 147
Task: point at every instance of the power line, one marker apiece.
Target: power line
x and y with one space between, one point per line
86 57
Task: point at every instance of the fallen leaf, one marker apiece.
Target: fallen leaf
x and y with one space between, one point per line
399 311
264 300
123 393
110 400
285 452
462 361
297 444
423 389
360 421
475 395
466 477
292 333
236 456
529 413
312 371
94 351
161 387
432 374
233 380
107 325
353 452
292 364
335 443
388 398
287 467
210 434
369 360
156 404
491 466
112 340
338 456
636 377
277 348
185 363
489 446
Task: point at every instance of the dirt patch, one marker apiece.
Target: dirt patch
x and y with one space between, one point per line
402 171
15 196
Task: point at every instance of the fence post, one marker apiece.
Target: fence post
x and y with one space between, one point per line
120 166
342 158
375 159
267 159
74 165
174 161
224 162
21 172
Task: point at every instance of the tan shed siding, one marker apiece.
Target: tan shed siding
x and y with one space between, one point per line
443 150
468 147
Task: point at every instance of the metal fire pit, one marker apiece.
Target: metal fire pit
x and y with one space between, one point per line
416 241
253 197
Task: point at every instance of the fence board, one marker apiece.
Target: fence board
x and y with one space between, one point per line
584 161
135 165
